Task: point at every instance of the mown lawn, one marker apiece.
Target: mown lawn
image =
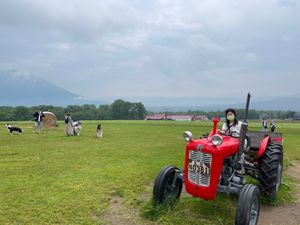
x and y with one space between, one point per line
54 179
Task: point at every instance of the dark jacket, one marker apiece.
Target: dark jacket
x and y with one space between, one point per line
36 117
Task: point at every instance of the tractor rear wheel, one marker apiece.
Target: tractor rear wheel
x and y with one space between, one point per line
270 170
248 206
167 187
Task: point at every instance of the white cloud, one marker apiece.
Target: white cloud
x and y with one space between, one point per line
285 37
161 47
64 46
250 56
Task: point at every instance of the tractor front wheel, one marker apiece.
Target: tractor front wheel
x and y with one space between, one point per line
168 185
248 206
270 170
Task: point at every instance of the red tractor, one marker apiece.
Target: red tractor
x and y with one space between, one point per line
219 163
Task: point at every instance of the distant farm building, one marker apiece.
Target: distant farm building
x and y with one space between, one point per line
201 117
156 117
49 120
180 117
297 116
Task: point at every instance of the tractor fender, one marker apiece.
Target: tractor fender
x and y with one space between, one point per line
263 146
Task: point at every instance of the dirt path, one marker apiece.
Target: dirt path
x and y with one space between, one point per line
284 215
119 214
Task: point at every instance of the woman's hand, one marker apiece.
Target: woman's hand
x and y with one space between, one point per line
222 132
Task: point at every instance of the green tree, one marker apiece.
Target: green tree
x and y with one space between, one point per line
141 111
104 112
22 113
120 110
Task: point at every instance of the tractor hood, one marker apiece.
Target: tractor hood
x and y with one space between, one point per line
203 165
228 147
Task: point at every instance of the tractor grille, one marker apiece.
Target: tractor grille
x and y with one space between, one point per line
196 177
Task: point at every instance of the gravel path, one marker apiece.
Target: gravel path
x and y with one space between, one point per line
284 215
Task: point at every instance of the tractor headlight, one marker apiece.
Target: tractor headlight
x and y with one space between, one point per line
188 136
217 140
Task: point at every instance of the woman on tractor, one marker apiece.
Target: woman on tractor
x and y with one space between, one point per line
232 126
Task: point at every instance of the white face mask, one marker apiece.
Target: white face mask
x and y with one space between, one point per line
231 118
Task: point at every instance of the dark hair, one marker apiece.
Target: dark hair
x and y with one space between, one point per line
235 122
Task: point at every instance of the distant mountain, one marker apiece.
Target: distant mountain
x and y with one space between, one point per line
276 103
183 104
28 90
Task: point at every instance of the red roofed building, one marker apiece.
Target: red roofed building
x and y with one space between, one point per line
200 117
180 117
156 117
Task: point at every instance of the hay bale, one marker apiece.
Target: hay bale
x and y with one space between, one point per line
50 120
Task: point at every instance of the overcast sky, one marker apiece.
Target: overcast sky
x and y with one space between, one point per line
155 48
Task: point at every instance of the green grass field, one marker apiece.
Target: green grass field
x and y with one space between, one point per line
54 179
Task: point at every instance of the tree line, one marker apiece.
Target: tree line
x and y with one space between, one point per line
118 110
252 114
122 110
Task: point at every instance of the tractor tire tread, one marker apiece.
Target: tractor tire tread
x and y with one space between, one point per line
244 203
160 179
269 167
